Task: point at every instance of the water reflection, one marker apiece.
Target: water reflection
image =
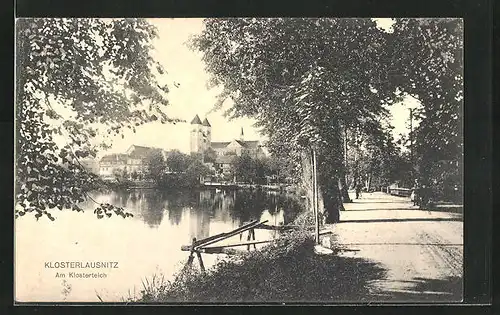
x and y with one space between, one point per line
149 243
201 208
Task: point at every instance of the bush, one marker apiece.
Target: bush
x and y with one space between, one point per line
286 271
305 220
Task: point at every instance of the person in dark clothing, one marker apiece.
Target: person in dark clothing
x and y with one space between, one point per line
425 195
416 193
358 191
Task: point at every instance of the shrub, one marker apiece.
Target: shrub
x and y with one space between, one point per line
286 271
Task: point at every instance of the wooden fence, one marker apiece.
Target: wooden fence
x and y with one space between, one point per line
402 192
206 245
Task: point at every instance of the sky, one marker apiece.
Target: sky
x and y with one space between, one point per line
191 97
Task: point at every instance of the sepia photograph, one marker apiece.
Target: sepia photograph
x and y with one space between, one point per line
238 160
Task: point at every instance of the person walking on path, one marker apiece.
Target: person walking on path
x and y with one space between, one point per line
415 194
358 191
425 196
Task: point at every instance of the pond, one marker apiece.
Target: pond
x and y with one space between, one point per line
139 247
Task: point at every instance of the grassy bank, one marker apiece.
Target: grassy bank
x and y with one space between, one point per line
287 271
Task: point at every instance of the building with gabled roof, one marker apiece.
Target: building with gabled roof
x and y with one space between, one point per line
133 160
141 152
225 151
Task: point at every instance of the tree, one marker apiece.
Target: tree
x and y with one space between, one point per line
302 79
275 168
117 173
377 161
134 175
244 168
177 161
102 73
155 166
125 173
209 155
429 67
195 171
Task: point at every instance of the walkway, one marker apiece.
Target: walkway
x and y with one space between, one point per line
421 251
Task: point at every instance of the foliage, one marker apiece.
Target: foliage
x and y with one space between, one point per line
446 180
300 78
305 220
258 170
244 168
305 80
102 74
287 271
107 210
122 181
375 158
185 170
155 166
177 161
209 155
134 175
195 171
280 168
118 173
430 66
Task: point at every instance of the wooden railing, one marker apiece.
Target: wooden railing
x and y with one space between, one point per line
198 247
402 192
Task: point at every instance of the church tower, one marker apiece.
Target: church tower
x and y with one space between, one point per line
196 135
207 134
242 136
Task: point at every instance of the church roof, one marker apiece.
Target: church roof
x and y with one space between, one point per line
241 142
250 144
206 123
196 120
246 144
219 145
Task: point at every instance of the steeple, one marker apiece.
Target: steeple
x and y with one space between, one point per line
242 136
196 120
206 134
206 123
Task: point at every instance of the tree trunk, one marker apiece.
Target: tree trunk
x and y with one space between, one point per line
328 181
369 182
332 199
306 181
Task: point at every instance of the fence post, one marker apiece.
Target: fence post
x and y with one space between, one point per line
315 196
191 256
200 261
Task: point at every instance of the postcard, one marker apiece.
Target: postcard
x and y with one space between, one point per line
238 160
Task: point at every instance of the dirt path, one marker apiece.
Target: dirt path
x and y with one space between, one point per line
422 251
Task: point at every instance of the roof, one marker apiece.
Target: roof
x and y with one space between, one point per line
241 142
250 144
247 144
224 159
196 120
114 158
219 145
206 123
141 152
